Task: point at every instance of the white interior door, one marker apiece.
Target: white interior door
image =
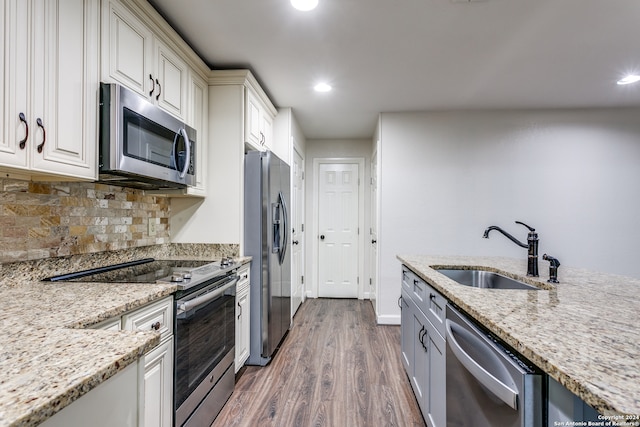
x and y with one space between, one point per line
297 233
338 251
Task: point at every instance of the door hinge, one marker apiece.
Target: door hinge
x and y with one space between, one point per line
370 281
302 280
302 227
303 175
358 280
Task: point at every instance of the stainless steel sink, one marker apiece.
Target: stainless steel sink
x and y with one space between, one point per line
484 279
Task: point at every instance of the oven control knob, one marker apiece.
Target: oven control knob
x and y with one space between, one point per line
177 277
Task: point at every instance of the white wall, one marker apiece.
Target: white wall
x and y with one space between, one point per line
333 148
574 175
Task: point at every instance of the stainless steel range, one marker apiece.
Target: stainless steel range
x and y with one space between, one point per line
204 325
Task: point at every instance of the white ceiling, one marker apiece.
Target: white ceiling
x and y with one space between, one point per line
409 55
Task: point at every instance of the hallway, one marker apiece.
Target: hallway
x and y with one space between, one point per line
335 368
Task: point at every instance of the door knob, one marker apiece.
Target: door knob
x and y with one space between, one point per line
322 237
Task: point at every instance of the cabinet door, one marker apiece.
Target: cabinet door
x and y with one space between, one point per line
127 50
242 329
171 81
437 415
198 119
266 127
158 386
252 126
406 335
64 88
420 378
14 90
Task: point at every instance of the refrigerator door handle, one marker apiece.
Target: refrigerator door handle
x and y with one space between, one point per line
285 234
275 211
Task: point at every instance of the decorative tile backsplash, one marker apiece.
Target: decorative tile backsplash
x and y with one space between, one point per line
52 219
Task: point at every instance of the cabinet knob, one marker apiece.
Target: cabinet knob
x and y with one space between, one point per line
322 237
156 326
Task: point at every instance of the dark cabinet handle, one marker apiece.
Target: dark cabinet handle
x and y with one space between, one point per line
322 237
295 242
432 296
44 135
159 89
421 338
153 85
373 242
240 314
23 119
400 302
156 326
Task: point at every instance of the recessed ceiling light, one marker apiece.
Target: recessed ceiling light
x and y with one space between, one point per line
322 87
631 78
304 5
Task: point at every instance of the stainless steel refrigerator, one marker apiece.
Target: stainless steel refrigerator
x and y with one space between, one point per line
267 239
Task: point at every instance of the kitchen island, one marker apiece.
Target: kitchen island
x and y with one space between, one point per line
583 331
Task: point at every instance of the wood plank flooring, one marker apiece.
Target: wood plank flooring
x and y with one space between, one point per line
335 368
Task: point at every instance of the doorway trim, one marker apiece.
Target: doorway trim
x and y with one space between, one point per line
312 291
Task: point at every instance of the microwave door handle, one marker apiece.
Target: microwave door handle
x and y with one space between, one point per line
187 161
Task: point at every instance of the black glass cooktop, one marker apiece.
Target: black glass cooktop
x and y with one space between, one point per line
147 270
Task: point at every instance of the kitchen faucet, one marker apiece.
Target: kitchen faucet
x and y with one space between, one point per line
532 246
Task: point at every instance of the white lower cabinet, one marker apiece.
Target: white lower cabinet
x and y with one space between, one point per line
113 403
242 318
156 404
158 385
423 351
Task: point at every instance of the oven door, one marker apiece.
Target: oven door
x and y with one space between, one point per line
205 341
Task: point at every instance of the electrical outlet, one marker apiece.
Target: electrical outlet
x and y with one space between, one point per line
152 226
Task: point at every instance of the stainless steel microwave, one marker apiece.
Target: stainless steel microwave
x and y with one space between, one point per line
141 145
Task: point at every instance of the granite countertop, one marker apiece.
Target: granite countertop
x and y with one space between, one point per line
47 357
582 331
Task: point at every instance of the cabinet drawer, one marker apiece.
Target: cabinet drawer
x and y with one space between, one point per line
243 282
434 308
415 286
157 316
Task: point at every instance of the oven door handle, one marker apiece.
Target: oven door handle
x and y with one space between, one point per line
184 306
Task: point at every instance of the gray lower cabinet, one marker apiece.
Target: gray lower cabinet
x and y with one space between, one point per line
423 350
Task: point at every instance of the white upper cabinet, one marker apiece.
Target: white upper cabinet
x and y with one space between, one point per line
136 57
50 76
259 118
199 119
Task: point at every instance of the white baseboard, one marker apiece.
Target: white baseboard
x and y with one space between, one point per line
389 319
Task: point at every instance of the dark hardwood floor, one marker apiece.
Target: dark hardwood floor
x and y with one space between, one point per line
335 368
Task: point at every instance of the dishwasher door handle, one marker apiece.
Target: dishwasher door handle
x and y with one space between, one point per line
493 384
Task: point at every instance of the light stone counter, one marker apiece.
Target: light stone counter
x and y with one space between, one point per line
584 331
47 359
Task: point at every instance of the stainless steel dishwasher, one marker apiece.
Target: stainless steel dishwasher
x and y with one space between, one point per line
487 384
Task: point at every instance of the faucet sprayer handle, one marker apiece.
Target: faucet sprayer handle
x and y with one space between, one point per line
522 223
